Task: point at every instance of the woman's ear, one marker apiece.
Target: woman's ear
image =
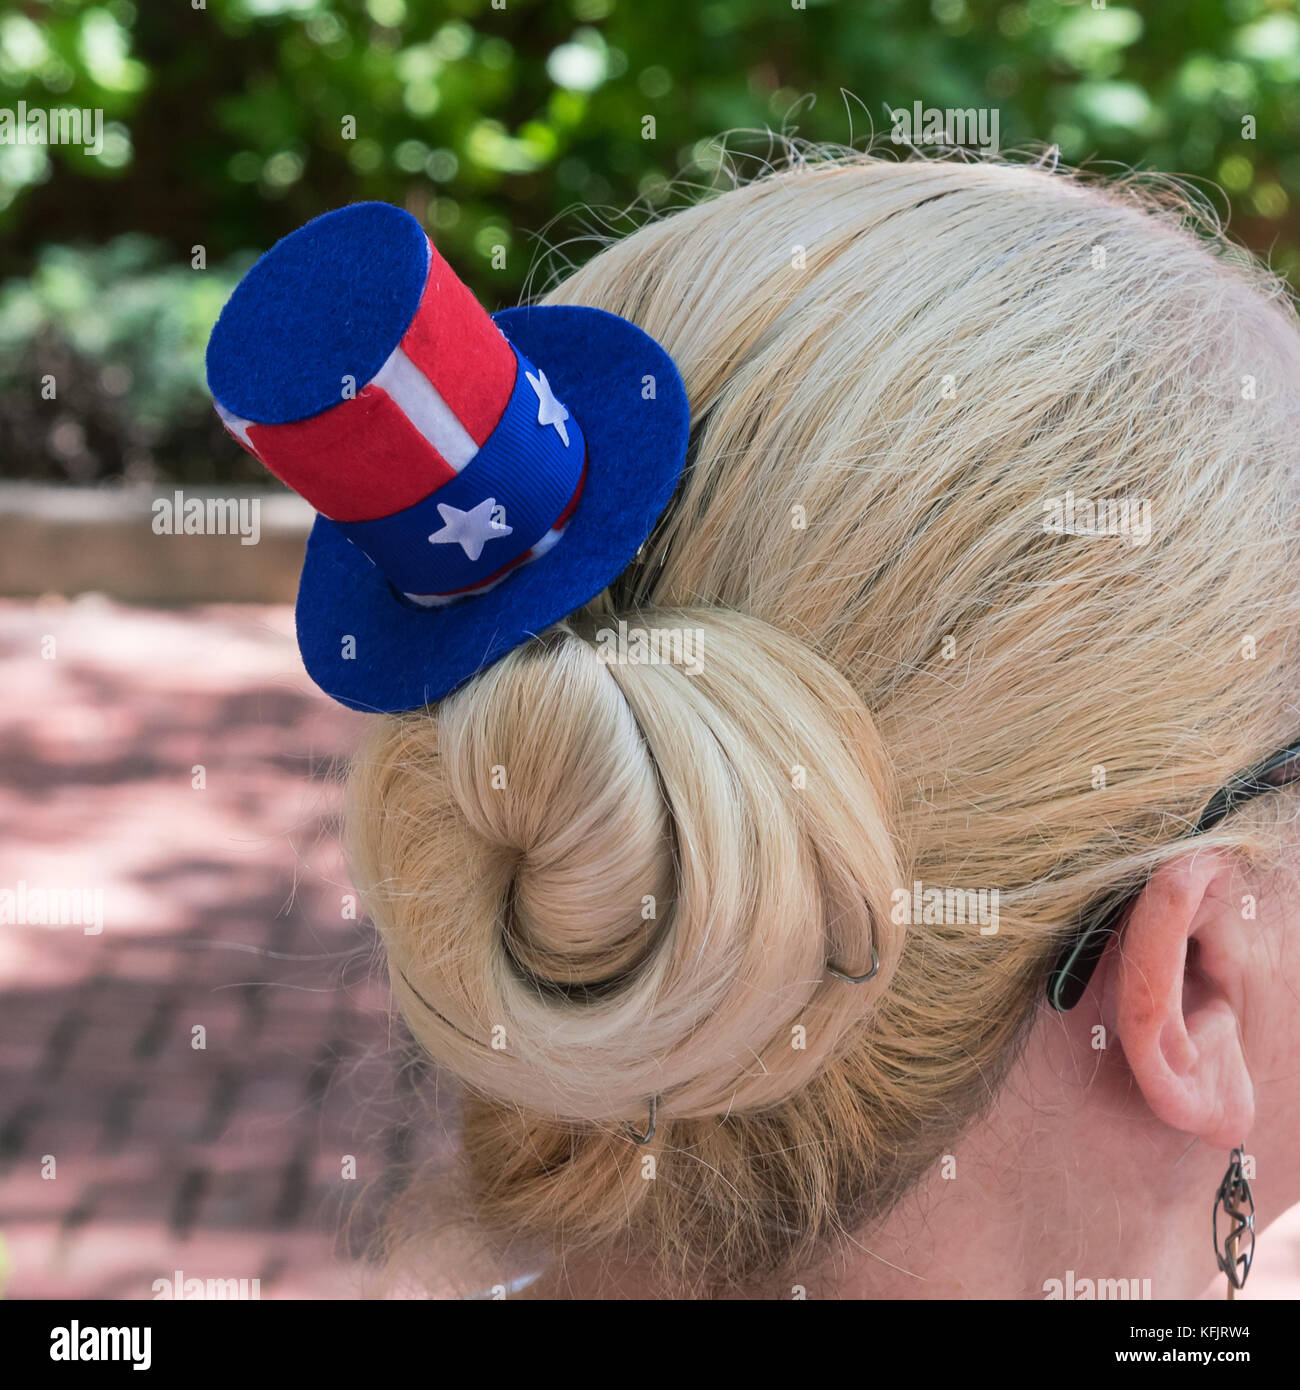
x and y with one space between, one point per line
1176 993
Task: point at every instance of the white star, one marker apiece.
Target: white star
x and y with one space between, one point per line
472 530
549 410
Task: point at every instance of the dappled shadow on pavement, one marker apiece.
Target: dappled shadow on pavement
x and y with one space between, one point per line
197 1068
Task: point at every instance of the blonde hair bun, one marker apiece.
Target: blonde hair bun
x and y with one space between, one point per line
604 881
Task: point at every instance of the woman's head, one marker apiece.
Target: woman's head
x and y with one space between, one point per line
903 649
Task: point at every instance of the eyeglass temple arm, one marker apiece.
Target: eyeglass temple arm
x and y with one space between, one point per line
1075 966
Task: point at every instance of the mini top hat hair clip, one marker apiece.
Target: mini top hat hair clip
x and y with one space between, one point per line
477 478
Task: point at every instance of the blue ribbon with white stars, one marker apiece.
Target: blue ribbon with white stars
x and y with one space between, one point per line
505 499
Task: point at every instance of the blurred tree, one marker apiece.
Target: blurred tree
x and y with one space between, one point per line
228 125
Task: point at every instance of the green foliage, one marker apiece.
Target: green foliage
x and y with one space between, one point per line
101 366
228 125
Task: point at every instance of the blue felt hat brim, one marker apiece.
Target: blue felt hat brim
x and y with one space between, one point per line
371 650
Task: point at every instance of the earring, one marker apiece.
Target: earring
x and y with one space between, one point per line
1235 1199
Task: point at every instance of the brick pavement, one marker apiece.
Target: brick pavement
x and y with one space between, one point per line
225 1160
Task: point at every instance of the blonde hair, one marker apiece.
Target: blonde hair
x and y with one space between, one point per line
601 883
